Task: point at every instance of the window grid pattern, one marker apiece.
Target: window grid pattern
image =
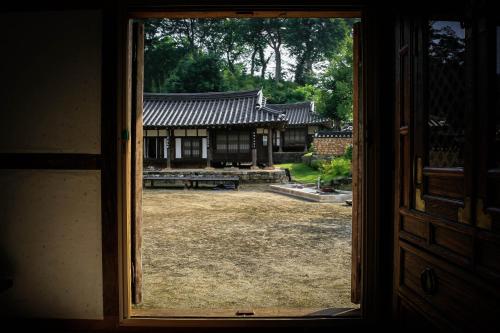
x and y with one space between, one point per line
233 142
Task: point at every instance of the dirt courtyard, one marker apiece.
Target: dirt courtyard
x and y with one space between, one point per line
209 249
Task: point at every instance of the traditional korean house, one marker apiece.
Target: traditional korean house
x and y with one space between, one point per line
223 128
302 123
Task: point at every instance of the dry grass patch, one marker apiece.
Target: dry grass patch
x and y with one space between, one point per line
244 249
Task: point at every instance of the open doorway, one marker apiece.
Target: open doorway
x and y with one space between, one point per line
218 119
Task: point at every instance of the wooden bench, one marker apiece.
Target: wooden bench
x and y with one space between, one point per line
193 181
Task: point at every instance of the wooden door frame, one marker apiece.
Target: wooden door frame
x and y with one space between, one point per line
376 228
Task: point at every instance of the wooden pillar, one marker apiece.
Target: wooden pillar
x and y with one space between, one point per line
270 148
169 148
254 149
279 140
209 150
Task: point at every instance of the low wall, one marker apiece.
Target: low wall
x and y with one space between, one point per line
247 176
331 143
287 157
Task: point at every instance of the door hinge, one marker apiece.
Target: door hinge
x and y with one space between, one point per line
483 218
419 201
464 212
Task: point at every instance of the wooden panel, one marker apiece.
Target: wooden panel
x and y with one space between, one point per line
442 207
487 256
410 318
414 227
451 240
453 293
448 187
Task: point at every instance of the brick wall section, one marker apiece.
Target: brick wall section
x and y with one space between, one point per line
332 143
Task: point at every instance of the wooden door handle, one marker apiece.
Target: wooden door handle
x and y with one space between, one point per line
428 281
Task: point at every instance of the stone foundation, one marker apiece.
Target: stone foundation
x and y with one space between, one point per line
247 176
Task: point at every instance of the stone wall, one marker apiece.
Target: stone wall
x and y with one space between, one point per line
331 143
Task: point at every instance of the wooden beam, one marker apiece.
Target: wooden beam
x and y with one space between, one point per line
51 161
137 164
357 164
242 14
109 168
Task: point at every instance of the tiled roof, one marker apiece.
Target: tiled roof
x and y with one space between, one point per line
333 134
299 113
207 109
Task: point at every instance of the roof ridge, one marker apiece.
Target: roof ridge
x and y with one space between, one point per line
294 103
203 95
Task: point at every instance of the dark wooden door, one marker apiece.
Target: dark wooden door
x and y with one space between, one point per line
445 235
262 155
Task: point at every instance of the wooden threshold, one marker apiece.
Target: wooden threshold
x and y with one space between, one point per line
51 161
257 313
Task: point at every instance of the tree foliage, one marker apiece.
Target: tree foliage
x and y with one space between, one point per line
199 55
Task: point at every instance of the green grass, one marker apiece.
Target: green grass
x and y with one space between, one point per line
301 173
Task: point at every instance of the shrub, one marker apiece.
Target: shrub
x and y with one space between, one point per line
339 167
348 152
317 164
307 158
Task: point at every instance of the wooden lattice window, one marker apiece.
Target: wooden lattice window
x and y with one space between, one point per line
191 148
446 94
295 136
232 142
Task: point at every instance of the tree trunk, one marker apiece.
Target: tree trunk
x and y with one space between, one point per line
299 72
229 62
252 66
308 70
277 58
263 63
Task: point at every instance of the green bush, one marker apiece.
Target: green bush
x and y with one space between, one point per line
307 158
317 164
348 152
339 167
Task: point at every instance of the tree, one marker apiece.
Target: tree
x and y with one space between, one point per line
162 55
312 40
196 73
254 36
273 31
231 41
336 85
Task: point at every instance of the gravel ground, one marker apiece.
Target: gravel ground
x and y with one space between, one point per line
209 249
